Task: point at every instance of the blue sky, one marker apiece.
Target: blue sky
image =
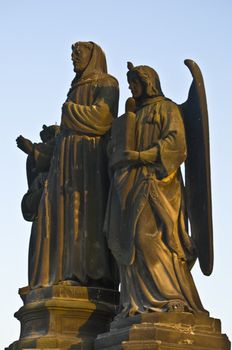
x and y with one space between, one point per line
36 71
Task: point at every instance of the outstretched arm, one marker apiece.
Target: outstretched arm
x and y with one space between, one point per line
25 145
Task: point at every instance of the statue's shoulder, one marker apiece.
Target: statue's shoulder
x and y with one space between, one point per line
167 105
168 102
107 80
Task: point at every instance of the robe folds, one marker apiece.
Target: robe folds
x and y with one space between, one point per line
68 242
146 217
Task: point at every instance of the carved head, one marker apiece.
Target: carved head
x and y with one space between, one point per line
143 81
81 54
49 132
88 57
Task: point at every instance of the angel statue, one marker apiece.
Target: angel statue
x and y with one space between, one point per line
150 210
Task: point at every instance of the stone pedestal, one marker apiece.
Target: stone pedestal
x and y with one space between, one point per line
164 331
64 317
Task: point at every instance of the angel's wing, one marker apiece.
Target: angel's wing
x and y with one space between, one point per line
197 168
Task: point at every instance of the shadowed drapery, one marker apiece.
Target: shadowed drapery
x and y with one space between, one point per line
67 242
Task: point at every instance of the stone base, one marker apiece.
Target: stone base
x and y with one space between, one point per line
64 317
164 331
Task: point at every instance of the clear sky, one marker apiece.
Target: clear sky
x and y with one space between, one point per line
36 71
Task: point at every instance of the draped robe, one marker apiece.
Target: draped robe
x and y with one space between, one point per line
146 217
68 242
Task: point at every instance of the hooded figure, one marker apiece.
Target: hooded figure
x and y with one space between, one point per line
146 221
69 246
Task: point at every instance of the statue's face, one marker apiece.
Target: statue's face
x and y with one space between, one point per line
136 87
81 54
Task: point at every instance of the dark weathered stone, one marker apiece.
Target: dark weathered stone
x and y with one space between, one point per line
147 216
67 196
64 317
166 331
145 220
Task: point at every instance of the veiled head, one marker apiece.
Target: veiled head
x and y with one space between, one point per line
88 57
81 54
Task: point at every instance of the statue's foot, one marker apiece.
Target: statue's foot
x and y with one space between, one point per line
176 306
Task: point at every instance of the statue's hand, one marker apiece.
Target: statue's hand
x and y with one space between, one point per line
24 144
124 158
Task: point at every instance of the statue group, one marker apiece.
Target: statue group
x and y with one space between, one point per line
106 196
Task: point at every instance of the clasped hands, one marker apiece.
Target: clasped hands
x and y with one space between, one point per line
129 157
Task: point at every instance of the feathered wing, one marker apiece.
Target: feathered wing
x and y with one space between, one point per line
197 168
